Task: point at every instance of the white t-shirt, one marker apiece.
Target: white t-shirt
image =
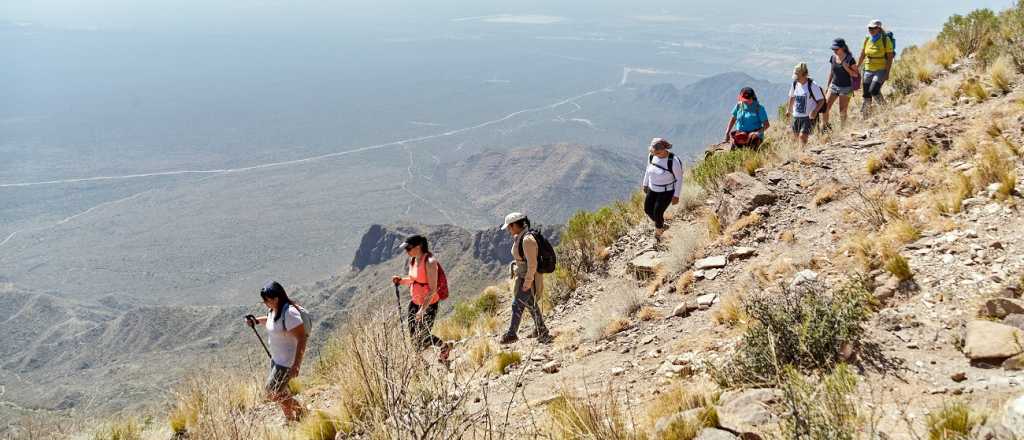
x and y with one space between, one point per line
283 345
802 105
658 179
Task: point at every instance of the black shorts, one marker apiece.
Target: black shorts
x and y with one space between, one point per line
803 125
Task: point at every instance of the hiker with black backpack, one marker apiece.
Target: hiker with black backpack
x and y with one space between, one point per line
750 120
880 49
428 286
286 325
533 256
843 81
806 99
662 184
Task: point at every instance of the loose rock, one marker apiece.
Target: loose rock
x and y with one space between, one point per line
991 340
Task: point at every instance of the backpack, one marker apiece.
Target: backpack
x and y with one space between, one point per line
887 34
546 259
671 160
810 93
442 281
307 318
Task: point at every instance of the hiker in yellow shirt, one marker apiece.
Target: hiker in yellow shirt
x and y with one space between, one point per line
879 49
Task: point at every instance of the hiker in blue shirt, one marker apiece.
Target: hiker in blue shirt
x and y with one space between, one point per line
749 119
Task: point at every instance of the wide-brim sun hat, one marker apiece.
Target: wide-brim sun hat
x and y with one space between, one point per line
512 218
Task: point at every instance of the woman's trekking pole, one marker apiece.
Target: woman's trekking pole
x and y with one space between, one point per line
252 324
398 300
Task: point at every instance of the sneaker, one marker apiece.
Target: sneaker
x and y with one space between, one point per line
546 338
508 339
446 351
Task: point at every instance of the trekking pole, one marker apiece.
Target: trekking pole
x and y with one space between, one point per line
251 320
398 300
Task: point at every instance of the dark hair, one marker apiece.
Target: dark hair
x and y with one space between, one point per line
273 289
524 223
748 91
417 240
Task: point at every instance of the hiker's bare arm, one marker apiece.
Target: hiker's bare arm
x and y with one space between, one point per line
299 333
888 61
732 122
431 282
860 59
829 84
851 69
400 280
789 106
531 250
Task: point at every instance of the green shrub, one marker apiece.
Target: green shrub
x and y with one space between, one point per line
803 327
954 422
587 232
904 79
820 407
973 33
504 360
1010 40
709 171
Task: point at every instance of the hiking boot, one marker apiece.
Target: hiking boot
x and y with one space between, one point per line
508 339
446 351
546 338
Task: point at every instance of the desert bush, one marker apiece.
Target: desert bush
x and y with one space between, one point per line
954 422
821 406
588 231
971 33
905 76
389 391
972 87
804 327
896 264
129 429
1002 73
504 360
943 54
218 406
572 417
708 172
679 398
992 166
1010 40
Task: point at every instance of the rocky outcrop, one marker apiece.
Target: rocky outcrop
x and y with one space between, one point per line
741 194
988 340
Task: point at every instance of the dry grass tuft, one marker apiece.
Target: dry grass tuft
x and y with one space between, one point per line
504 360
972 87
742 224
950 199
827 193
955 421
615 327
685 282
648 313
901 231
787 237
714 225
320 425
896 264
571 417
1003 73
873 165
481 351
730 310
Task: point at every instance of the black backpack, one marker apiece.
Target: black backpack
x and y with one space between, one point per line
671 160
546 259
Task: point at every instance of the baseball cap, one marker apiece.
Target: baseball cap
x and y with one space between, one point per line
412 241
747 95
512 218
838 43
659 143
876 23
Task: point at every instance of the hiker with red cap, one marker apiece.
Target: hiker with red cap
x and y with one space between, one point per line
750 120
662 184
429 286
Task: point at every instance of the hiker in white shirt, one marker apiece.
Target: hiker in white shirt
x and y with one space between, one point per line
663 182
806 99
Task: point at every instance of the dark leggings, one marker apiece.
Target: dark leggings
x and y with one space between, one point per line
655 205
420 330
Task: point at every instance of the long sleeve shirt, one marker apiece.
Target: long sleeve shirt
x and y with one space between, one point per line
659 179
530 251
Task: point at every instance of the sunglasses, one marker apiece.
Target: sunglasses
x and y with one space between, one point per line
873 28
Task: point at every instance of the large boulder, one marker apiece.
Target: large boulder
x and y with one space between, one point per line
748 410
741 194
715 434
989 340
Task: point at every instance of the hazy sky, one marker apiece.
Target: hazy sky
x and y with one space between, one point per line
379 15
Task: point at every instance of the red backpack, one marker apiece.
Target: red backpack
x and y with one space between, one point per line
442 281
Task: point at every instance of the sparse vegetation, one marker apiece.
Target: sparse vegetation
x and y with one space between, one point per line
742 224
953 422
572 417
505 359
821 407
1002 73
587 232
896 264
803 327
971 33
319 425
481 352
826 194
973 88
873 165
648 313
681 398
129 429
714 225
468 317
950 199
